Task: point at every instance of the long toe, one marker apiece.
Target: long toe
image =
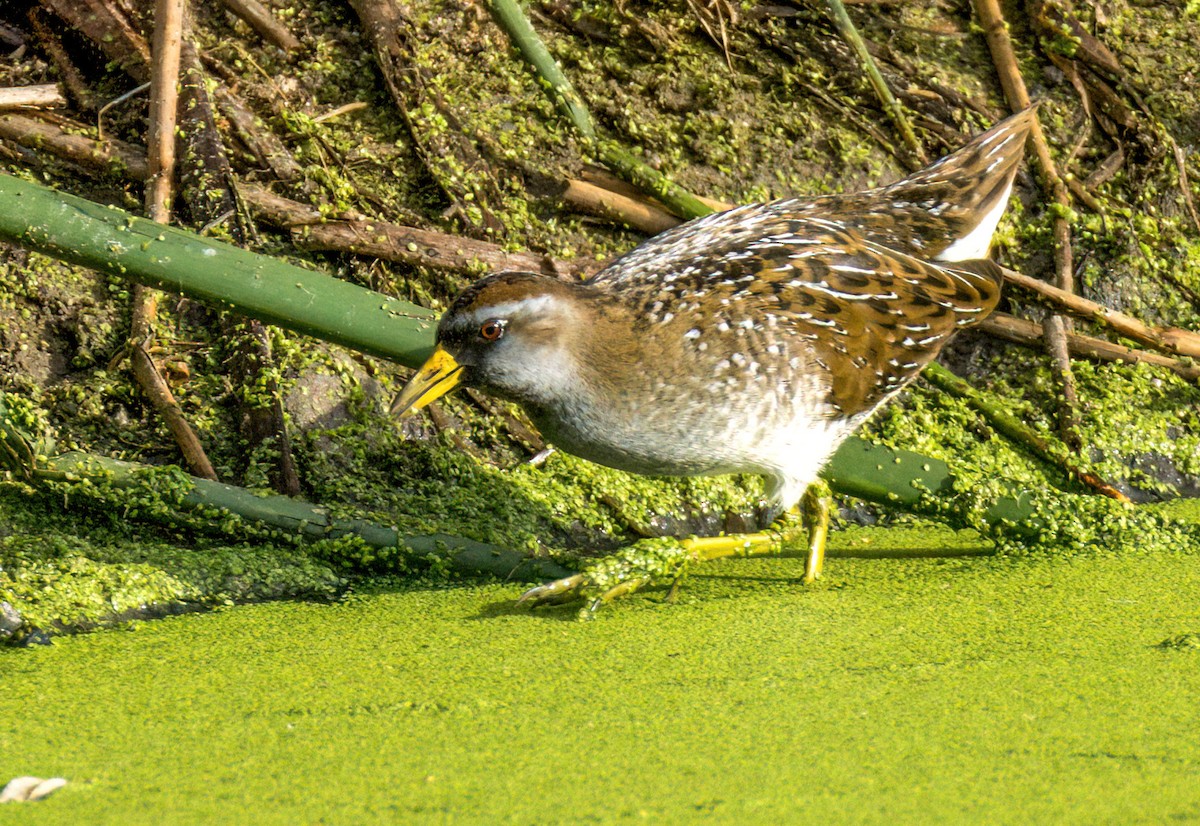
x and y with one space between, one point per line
553 593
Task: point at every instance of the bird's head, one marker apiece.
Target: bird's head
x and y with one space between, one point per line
508 334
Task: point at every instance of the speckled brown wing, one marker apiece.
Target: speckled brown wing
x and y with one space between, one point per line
875 317
926 212
871 317
922 215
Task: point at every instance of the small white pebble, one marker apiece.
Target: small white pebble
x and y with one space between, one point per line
23 789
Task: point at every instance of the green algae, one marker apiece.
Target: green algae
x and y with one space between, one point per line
60 572
988 468
1052 684
964 690
420 488
56 579
756 131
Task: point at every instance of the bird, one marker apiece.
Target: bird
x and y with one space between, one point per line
753 340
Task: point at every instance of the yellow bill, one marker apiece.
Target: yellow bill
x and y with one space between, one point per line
437 377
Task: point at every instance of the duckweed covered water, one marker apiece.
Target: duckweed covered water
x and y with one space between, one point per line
975 689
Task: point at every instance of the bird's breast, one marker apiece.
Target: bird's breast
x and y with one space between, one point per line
675 421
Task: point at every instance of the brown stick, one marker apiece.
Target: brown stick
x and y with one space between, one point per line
1031 334
891 106
528 438
446 151
1056 329
918 82
262 142
356 234
251 345
995 30
262 21
130 161
1017 431
409 245
107 156
284 212
1080 190
1104 171
443 423
164 97
1166 339
636 213
106 26
1054 333
1184 186
49 41
42 95
1013 85
601 177
208 189
604 194
164 101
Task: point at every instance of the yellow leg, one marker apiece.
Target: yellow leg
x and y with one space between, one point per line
667 559
815 506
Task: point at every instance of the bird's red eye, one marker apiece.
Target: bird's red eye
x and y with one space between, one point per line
492 329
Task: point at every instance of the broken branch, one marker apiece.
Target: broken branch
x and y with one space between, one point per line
1167 340
42 95
1030 334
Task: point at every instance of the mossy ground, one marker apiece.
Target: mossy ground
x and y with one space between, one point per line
788 118
928 690
1038 687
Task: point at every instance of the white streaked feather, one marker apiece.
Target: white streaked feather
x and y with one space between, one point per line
975 243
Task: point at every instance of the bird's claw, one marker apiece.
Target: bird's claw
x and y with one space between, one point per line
553 593
614 576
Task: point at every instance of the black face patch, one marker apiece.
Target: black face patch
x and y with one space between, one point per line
454 336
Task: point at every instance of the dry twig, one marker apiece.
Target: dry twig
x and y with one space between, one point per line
636 212
39 96
105 24
110 156
1016 430
1185 185
1168 340
356 234
891 106
601 177
50 42
509 15
164 97
717 17
443 145
262 21
520 432
264 144
996 31
210 193
421 247
1030 334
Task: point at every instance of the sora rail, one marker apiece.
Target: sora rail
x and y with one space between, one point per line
748 341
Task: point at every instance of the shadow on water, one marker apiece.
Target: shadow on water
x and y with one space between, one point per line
500 609
931 552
